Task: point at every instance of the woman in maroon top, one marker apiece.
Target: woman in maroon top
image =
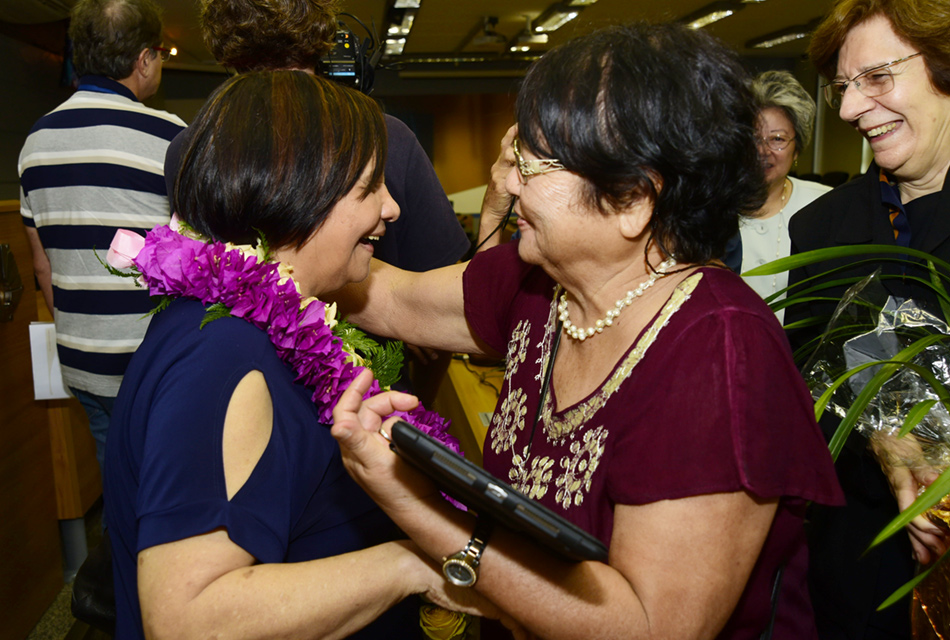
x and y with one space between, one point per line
650 396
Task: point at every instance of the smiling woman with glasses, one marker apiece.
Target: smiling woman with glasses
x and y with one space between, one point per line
872 83
786 121
888 68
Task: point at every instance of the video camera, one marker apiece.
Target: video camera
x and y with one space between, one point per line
350 62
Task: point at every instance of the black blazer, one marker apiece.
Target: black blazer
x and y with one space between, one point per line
845 586
853 214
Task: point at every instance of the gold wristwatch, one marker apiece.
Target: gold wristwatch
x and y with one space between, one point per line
461 569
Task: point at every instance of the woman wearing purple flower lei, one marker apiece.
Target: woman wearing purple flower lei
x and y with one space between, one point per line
230 512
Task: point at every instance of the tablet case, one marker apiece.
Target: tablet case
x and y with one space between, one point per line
490 497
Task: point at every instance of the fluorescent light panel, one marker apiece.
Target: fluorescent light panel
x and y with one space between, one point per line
407 4
773 42
394 46
711 13
709 18
402 28
555 17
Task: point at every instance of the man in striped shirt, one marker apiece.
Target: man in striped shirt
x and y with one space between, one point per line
91 166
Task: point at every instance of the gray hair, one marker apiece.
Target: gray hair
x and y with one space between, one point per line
780 89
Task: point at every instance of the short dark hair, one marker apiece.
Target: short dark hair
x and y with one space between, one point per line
654 111
109 35
924 24
272 152
257 35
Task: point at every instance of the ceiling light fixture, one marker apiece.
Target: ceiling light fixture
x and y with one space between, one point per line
782 36
394 46
400 18
489 36
768 42
711 13
527 37
555 17
401 25
579 3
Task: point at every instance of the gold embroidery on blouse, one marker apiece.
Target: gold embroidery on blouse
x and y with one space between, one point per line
534 482
533 477
517 348
557 428
579 468
508 421
547 338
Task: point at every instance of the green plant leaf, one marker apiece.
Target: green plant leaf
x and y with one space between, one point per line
385 361
909 586
937 280
163 302
131 273
832 253
215 312
915 415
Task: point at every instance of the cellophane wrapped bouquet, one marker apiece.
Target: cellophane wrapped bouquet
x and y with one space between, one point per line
883 367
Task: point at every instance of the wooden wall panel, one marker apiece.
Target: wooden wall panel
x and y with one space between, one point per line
31 572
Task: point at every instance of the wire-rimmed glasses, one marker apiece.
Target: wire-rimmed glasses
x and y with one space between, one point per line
775 142
872 83
164 53
528 168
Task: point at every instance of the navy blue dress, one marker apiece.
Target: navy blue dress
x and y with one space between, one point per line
164 476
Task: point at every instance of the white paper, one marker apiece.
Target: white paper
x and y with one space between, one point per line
47 376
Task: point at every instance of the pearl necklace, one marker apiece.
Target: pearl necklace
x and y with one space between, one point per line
582 334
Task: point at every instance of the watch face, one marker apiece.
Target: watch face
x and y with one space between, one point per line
459 573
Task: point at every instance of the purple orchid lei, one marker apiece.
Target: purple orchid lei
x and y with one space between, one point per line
262 292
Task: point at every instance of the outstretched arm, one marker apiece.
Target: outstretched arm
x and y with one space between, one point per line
425 309
661 554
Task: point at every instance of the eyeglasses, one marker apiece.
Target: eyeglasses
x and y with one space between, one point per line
776 142
528 168
872 83
165 53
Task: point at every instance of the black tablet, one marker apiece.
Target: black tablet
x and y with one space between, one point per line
490 497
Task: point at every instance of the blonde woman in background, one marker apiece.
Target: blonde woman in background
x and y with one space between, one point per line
786 124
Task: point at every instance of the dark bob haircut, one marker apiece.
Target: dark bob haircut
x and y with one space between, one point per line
923 24
109 35
654 111
272 152
257 35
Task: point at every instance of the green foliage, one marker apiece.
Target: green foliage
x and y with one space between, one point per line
804 292
385 361
131 273
161 305
214 312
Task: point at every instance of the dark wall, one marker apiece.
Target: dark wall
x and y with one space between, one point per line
30 77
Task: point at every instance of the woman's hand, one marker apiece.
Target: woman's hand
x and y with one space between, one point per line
497 200
902 461
358 426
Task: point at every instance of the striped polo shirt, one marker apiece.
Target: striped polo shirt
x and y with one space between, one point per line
89 167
